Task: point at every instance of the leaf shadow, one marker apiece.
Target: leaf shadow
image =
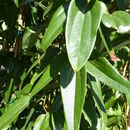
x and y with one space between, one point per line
84 6
67 74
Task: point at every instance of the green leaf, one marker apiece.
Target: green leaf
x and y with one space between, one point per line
90 114
102 70
57 121
111 102
49 73
55 26
98 98
49 56
26 89
29 39
42 122
8 91
73 94
16 3
13 111
112 120
57 103
119 20
81 29
128 99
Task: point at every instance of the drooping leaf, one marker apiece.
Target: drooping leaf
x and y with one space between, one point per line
102 70
13 111
55 26
119 20
73 94
81 28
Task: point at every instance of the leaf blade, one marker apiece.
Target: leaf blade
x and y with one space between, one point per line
102 70
55 26
13 111
73 95
81 28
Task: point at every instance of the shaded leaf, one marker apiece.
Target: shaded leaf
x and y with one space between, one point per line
57 121
73 94
98 98
90 114
29 39
49 73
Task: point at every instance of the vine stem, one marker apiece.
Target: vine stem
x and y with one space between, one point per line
104 40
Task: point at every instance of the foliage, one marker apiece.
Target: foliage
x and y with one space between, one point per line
71 69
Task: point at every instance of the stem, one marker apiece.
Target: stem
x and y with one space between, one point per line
104 40
28 118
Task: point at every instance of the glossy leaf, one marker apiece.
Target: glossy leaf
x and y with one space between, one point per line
13 111
29 39
119 20
102 70
42 122
81 29
73 94
55 26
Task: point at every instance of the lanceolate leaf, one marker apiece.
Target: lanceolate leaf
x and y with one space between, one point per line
73 95
55 27
49 73
102 70
98 98
13 111
81 28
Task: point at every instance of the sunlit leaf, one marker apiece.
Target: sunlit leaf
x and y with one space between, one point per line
119 20
100 68
55 26
73 94
13 111
81 28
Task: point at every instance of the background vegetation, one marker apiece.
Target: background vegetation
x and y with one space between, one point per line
70 68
